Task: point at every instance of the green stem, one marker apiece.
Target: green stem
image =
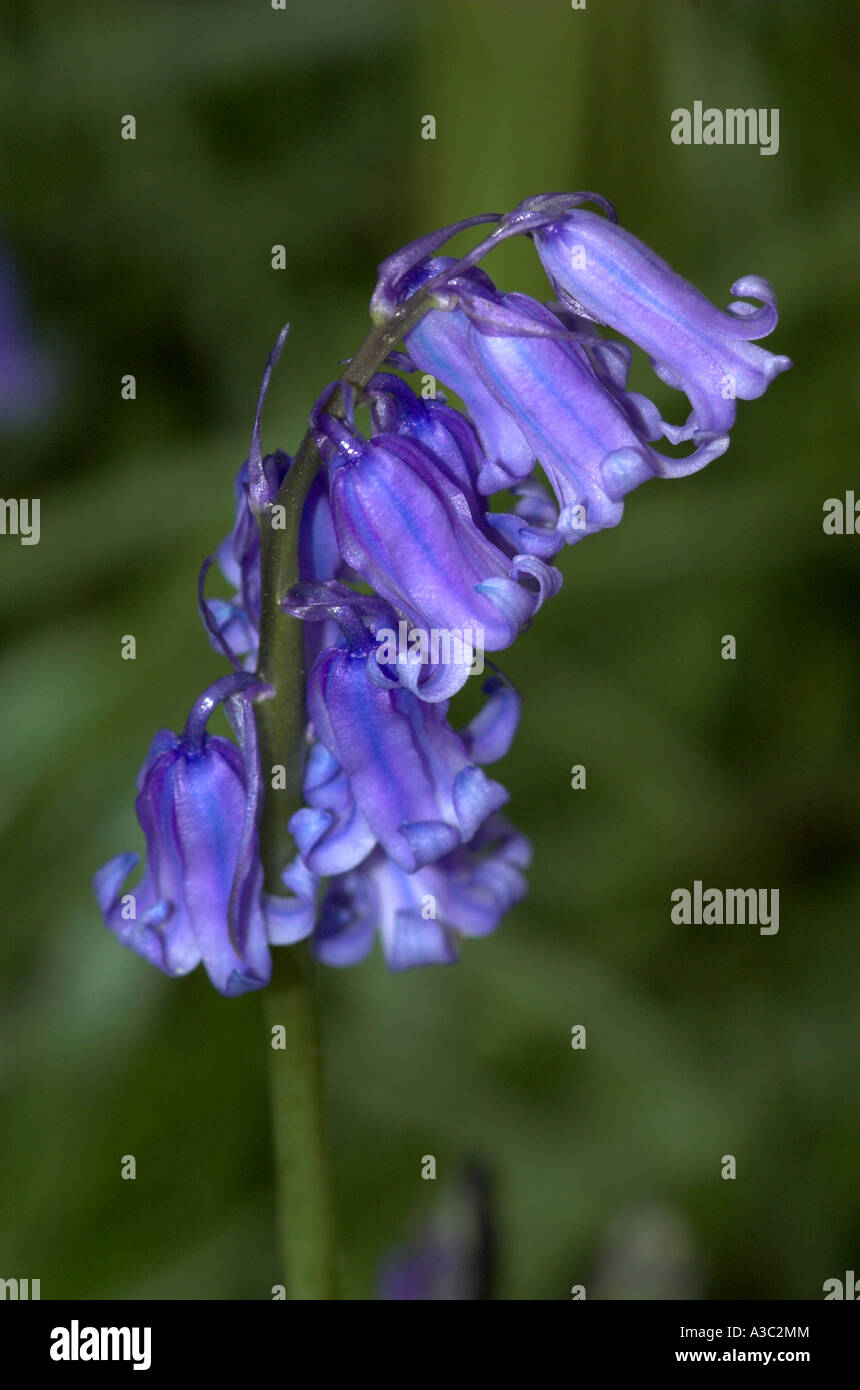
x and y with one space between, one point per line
302 1179
301 1161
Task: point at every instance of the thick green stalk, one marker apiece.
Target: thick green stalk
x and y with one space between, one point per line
302 1178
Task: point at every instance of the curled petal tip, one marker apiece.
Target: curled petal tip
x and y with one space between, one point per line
624 470
425 841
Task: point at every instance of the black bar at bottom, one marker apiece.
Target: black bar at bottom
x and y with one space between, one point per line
68 1338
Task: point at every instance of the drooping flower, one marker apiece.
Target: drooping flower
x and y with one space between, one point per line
408 770
394 772
439 344
420 915
409 531
201 898
600 268
587 444
446 434
593 442
440 431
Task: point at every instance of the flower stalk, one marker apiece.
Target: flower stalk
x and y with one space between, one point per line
305 1219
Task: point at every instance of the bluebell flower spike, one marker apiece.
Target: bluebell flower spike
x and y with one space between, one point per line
398 814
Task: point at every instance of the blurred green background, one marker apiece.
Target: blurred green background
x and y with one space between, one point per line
302 127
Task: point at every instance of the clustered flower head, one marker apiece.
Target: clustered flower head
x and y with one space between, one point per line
401 834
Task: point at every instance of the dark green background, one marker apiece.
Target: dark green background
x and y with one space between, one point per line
257 127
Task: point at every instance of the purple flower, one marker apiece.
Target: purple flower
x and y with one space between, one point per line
436 428
440 345
587 443
419 915
450 438
392 771
593 441
410 532
602 269
408 771
234 623
200 898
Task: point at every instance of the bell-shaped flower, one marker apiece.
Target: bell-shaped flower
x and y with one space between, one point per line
201 896
449 437
393 770
410 532
586 441
420 915
593 443
599 268
439 345
435 427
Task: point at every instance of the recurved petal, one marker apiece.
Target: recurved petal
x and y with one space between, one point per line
142 921
332 843
331 832
521 536
490 734
414 941
347 922
291 918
